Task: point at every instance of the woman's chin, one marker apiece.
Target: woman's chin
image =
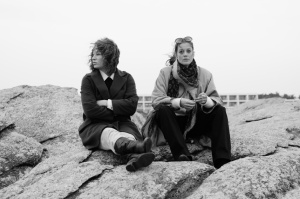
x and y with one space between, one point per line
186 63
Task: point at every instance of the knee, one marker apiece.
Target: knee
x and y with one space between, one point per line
163 110
220 109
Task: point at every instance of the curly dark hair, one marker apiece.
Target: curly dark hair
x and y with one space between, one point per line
110 51
172 58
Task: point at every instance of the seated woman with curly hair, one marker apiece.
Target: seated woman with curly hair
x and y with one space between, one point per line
109 98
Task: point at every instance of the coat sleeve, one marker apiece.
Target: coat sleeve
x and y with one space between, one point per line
89 102
128 105
159 94
211 91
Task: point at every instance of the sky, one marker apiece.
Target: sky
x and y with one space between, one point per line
248 46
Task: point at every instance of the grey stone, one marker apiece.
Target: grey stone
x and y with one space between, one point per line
42 112
159 180
259 127
265 136
17 149
253 177
11 176
55 177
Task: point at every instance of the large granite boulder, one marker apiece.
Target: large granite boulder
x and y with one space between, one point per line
18 154
17 149
42 112
260 127
41 154
254 177
159 180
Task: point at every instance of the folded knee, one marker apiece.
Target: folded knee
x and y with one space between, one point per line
220 109
164 109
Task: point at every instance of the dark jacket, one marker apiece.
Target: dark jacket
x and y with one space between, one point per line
124 102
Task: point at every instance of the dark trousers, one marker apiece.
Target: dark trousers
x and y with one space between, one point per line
214 125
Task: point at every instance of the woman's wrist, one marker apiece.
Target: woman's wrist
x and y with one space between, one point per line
209 103
176 102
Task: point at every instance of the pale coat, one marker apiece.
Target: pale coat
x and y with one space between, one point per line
206 84
159 98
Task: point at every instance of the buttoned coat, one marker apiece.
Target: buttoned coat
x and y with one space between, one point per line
124 101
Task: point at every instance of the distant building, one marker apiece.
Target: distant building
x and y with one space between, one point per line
291 100
145 103
229 100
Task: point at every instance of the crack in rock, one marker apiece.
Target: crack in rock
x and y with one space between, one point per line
50 138
258 119
4 126
14 97
74 194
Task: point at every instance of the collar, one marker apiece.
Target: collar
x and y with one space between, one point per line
104 76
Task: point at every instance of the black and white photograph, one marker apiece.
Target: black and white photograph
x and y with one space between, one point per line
194 99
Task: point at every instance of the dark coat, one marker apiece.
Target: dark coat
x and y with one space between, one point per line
96 118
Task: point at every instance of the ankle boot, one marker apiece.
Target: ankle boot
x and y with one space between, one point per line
137 161
183 157
125 146
220 162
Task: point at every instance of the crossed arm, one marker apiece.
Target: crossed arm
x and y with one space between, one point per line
97 109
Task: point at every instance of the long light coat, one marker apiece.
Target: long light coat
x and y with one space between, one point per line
206 84
159 97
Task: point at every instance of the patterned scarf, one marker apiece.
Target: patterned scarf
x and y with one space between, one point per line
188 74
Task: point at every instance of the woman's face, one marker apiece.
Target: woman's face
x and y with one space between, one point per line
185 53
98 60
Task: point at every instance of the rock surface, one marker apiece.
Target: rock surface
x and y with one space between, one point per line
253 177
17 149
41 154
260 127
43 112
159 180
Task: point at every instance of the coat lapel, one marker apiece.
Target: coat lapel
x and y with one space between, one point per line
117 84
100 84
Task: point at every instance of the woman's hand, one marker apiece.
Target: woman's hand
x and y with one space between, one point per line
187 104
202 98
102 103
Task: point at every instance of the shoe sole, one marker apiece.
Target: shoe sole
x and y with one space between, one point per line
143 161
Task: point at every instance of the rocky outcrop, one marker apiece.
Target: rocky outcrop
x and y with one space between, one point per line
159 180
254 177
41 154
260 127
42 113
17 149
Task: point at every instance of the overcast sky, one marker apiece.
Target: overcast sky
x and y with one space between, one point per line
250 46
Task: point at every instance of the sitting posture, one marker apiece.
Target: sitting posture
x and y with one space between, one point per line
109 98
187 106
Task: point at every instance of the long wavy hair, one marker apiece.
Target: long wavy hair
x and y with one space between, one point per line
110 52
172 58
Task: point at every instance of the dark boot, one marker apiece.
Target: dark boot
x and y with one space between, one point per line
220 162
125 146
183 157
137 161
